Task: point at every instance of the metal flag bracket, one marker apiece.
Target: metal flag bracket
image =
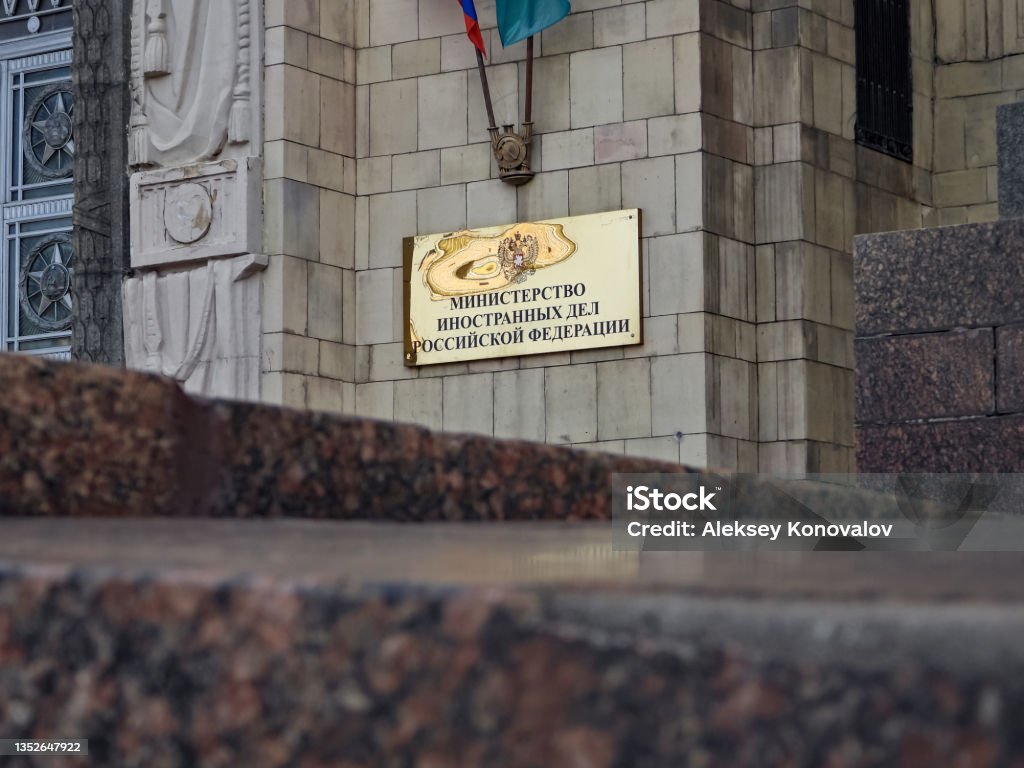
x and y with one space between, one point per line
511 148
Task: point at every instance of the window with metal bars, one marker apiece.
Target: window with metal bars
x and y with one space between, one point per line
885 104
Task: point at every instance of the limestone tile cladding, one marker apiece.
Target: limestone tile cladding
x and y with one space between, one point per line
979 67
729 124
310 210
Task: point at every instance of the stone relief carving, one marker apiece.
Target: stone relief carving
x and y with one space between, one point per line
201 322
195 213
191 80
199 326
188 212
192 308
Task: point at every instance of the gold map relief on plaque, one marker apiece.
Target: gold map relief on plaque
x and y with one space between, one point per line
467 263
523 289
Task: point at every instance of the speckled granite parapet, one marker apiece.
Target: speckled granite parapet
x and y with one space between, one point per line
939 279
184 669
80 440
925 376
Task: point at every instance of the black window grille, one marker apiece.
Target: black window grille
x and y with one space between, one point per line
885 102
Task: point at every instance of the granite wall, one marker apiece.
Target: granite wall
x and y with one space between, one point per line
939 359
618 123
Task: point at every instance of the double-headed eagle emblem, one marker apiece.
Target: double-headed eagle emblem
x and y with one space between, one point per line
518 256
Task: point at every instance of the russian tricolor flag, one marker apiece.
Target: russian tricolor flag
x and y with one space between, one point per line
473 25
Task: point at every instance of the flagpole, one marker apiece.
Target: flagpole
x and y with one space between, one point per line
487 91
528 117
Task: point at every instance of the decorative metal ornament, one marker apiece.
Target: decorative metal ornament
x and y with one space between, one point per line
48 135
512 151
511 148
45 286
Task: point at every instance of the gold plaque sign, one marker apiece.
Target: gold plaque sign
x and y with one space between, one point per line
523 289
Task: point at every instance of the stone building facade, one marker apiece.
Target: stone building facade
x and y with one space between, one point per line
733 125
979 54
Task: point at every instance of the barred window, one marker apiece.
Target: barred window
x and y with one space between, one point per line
884 90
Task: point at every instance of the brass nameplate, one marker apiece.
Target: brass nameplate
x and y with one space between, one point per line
523 289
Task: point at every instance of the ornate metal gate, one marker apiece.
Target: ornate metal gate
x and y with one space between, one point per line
37 153
885 100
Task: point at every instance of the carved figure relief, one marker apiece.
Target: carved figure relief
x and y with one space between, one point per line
192 308
191 73
197 326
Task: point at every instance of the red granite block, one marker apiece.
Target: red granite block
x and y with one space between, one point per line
90 441
905 378
93 440
993 444
936 279
1010 369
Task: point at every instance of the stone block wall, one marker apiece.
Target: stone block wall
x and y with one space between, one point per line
730 124
618 116
979 66
938 364
308 351
815 188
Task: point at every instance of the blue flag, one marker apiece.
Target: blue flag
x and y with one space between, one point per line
518 19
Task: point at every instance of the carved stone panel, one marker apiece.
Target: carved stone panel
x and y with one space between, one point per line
196 213
188 212
193 95
200 326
